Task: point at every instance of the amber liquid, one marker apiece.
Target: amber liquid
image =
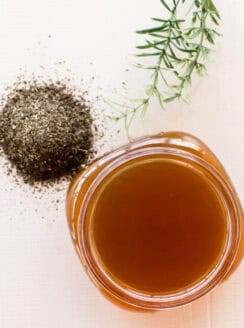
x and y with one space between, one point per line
158 226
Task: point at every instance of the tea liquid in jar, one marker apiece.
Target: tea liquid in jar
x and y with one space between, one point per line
156 223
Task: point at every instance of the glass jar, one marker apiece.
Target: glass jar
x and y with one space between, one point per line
171 145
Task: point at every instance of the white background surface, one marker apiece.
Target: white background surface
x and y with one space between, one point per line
42 283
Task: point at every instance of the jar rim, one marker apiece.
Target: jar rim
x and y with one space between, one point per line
154 302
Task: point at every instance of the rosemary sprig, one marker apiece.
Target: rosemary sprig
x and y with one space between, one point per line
179 47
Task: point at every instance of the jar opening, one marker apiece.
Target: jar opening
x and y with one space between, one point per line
149 299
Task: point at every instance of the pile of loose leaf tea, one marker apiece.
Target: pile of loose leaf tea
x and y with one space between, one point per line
46 131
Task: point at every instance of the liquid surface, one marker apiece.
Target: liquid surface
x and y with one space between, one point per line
158 226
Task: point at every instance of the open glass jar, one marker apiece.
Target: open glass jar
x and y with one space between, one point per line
171 148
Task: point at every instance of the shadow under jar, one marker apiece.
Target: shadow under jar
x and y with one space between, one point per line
156 223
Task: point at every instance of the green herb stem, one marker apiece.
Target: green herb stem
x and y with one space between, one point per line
179 49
